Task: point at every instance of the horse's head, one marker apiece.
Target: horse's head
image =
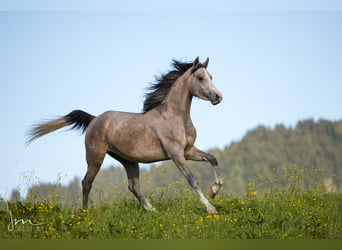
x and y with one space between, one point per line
200 83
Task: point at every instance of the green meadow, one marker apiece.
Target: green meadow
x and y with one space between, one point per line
285 213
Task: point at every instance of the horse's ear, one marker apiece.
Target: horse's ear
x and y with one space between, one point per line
196 62
205 64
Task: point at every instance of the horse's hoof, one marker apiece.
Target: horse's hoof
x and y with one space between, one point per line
149 208
153 210
212 211
213 191
211 194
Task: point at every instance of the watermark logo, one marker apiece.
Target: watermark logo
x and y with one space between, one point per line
14 221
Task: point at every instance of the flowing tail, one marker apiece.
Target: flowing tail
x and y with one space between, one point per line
78 118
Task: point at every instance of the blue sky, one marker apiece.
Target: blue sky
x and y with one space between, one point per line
271 66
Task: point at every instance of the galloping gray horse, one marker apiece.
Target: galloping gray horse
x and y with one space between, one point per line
163 131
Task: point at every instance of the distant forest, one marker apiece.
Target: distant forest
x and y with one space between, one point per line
307 155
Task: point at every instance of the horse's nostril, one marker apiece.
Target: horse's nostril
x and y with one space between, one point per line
218 98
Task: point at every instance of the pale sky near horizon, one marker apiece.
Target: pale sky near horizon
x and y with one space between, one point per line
271 66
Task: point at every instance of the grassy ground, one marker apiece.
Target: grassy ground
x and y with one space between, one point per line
285 214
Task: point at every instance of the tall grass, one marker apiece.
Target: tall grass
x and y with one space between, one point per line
276 213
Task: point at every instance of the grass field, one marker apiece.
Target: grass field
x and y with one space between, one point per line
290 212
286 214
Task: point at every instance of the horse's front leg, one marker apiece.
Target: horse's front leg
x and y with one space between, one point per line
179 159
195 154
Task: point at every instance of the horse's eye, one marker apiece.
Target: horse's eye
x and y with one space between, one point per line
200 78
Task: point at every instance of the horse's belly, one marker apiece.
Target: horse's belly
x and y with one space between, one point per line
138 146
140 152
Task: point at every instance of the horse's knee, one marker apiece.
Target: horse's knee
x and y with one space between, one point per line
212 160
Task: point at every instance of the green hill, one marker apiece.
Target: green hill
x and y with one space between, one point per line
307 155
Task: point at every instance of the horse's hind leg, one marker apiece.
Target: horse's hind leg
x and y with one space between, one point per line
94 160
132 170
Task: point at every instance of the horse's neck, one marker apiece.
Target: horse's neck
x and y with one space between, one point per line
179 100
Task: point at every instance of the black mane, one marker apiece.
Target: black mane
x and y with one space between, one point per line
160 89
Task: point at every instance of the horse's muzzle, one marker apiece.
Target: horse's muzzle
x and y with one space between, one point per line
216 98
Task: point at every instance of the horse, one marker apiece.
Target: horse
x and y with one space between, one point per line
162 131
